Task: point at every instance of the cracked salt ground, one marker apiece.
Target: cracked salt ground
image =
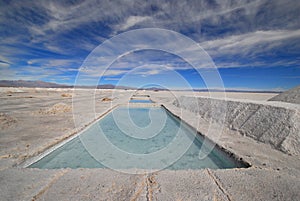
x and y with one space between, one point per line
104 184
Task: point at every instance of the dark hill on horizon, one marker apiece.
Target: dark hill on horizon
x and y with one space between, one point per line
27 83
42 84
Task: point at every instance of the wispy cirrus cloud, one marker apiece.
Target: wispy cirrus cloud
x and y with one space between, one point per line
200 19
253 45
60 34
131 21
4 62
245 42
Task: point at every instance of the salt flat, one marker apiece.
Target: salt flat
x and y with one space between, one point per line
33 120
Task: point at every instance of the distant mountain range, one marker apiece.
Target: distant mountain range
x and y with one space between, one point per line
42 84
25 83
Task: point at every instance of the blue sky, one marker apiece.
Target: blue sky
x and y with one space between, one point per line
254 44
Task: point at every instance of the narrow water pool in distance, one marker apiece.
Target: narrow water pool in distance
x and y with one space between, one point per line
154 129
140 101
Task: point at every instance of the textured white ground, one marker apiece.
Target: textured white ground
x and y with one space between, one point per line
290 96
33 120
239 95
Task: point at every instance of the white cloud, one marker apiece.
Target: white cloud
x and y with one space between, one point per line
30 62
111 78
4 65
251 45
236 42
149 69
4 62
114 72
27 73
131 21
55 64
144 70
248 28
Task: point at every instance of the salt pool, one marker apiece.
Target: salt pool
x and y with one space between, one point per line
140 101
125 137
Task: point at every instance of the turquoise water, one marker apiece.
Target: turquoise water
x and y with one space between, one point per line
140 101
142 138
